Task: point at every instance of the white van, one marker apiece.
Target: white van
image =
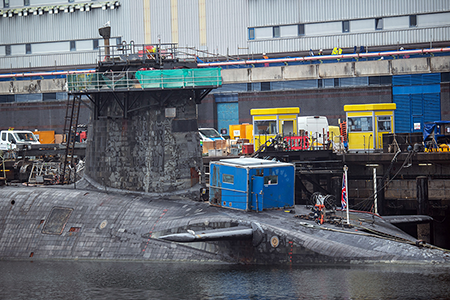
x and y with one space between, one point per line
209 134
315 127
13 139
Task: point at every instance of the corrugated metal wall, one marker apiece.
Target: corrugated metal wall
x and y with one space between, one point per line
160 20
349 40
126 22
227 24
327 10
263 13
418 101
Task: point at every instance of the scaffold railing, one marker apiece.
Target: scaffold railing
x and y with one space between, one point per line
144 79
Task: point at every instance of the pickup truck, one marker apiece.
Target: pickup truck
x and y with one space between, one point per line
17 139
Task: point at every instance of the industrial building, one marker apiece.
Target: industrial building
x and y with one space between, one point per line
50 36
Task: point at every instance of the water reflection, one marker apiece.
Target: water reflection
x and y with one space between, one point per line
132 280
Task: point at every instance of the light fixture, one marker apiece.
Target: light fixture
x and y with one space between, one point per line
10 14
35 12
19 13
425 165
56 10
66 9
25 13
41 12
104 6
372 165
112 6
50 11
5 14
81 8
88 7
71 9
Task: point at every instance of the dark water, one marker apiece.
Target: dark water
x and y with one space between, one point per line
131 280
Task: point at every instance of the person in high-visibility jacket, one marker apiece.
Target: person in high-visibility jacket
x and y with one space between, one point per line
265 57
337 51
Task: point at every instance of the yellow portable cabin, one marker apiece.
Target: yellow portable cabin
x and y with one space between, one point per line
268 122
366 124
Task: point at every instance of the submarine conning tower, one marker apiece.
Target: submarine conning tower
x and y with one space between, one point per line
142 134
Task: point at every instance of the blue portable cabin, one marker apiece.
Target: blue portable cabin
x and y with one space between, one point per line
251 184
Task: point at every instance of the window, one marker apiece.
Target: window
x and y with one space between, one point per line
276 31
119 41
301 29
28 48
8 50
345 26
413 21
251 33
357 124
26 2
265 86
271 180
70 1
73 46
384 123
226 178
5 3
378 24
95 44
265 127
380 80
249 87
336 82
7 98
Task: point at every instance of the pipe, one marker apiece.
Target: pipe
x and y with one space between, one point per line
324 57
260 61
45 74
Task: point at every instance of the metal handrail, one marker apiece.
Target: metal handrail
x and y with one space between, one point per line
99 81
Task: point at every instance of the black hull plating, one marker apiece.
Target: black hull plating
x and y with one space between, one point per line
54 223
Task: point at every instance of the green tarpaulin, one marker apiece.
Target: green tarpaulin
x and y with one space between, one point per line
179 78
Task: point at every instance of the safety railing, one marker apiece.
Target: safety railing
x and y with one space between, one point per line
134 52
145 79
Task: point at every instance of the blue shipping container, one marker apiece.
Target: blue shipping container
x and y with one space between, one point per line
251 184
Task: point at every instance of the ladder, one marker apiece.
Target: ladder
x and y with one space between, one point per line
70 131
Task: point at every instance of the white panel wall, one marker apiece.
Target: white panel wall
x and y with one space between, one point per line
362 25
433 20
263 33
324 28
84 45
18 50
50 47
289 31
396 23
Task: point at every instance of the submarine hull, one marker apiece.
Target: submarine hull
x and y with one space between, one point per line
60 223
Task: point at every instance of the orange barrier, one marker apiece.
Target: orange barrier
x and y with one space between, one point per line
297 142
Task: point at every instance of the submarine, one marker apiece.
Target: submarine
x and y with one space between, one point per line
91 223
137 201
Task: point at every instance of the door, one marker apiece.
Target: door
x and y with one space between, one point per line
257 193
383 125
227 112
